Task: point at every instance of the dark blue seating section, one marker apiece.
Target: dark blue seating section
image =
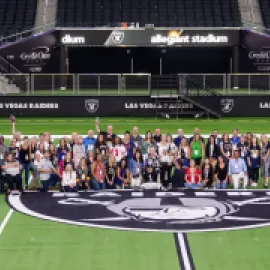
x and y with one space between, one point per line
167 13
16 16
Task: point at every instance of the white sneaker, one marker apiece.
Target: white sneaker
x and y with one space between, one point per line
253 184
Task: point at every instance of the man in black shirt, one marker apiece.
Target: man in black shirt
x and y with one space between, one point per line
109 136
178 179
157 135
196 132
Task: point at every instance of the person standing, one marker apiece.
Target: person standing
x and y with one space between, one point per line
238 170
82 175
129 146
152 167
157 135
122 175
221 174
242 146
235 139
178 139
136 138
108 135
137 170
98 173
196 133
163 153
216 137
147 143
226 147
89 141
197 150
254 161
207 174
265 159
25 159
178 177
78 151
212 150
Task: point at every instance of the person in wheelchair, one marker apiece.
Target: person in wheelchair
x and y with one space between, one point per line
12 173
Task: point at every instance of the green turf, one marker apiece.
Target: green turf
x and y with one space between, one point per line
3 208
42 245
234 250
120 125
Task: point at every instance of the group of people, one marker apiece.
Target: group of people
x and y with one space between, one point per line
154 161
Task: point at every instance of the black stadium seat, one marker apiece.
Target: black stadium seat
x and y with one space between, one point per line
265 9
204 13
16 16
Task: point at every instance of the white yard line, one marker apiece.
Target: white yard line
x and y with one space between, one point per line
184 252
5 221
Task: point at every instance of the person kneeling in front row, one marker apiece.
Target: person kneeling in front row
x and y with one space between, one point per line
12 170
47 172
69 179
193 176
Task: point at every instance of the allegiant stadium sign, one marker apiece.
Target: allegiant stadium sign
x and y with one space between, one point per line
178 39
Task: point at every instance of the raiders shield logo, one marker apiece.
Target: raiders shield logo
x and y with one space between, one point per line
91 105
227 105
149 210
117 37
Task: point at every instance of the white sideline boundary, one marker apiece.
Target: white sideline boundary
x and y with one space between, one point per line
5 221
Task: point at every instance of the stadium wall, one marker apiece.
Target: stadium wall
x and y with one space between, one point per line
188 50
83 106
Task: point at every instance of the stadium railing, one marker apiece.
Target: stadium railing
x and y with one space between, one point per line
137 84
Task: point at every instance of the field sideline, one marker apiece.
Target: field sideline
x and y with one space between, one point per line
81 125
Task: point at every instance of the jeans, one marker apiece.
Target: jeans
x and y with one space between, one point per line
52 181
193 186
26 167
221 184
96 185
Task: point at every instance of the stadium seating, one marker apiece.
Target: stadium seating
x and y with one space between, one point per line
265 9
16 16
211 13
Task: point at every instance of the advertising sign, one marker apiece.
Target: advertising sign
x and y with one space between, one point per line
149 37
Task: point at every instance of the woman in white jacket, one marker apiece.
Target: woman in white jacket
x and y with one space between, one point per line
69 179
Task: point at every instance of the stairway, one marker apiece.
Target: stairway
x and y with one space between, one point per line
7 87
250 13
173 98
46 14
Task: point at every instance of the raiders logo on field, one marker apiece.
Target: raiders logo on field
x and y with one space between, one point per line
227 105
117 37
149 210
91 105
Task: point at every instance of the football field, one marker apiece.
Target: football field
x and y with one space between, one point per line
135 230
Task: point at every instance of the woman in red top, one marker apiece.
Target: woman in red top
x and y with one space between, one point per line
193 176
98 173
